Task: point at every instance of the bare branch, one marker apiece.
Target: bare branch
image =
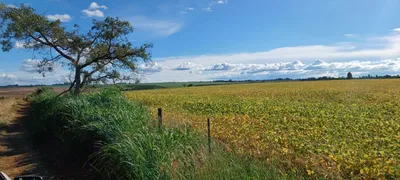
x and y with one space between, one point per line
68 90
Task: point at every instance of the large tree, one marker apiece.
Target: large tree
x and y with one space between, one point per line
97 55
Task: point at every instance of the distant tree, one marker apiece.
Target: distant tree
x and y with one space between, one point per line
94 56
137 81
349 75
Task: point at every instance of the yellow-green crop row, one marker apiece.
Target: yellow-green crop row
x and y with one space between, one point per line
338 129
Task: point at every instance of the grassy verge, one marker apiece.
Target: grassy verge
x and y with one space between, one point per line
7 111
114 136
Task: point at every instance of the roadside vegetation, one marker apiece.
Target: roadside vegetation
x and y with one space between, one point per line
334 129
119 140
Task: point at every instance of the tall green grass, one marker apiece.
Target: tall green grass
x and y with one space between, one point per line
116 137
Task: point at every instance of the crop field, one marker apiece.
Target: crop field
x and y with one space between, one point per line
325 128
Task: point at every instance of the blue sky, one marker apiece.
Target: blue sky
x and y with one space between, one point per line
234 39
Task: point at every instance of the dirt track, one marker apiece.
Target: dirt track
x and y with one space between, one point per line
19 156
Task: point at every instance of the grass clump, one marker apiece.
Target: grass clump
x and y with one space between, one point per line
110 133
117 138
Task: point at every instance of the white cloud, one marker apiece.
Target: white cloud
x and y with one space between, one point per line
376 48
376 55
22 45
188 66
213 3
29 74
94 6
157 27
19 44
149 68
7 79
187 10
37 66
222 2
221 67
94 13
93 10
61 17
396 30
11 6
208 9
350 35
295 69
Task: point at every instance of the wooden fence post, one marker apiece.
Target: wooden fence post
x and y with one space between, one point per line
209 135
159 118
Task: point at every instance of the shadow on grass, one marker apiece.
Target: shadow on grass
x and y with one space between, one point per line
21 156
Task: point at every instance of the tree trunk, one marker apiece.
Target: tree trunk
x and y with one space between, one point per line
77 81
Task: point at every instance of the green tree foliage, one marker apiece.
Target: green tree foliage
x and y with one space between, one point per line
349 75
95 56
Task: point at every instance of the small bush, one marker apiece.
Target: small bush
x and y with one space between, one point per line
39 91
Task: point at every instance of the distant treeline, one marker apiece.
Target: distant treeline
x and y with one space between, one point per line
238 81
314 78
34 85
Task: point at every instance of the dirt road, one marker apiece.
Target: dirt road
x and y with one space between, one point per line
19 156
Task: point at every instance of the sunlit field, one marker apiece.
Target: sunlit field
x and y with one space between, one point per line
348 128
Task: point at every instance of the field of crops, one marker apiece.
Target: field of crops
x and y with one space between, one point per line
324 128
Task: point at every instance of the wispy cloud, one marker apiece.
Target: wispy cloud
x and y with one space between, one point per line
212 3
368 55
378 55
350 35
188 9
94 10
208 9
61 17
6 79
11 6
94 6
377 48
157 27
37 66
297 69
188 66
221 2
30 76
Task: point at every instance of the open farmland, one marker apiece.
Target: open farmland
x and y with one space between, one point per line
324 128
21 92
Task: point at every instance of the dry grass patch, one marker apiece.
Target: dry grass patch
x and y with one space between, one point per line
7 111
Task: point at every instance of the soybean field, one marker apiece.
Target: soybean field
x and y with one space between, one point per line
343 128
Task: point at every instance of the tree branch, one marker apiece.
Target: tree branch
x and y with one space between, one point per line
68 90
57 49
